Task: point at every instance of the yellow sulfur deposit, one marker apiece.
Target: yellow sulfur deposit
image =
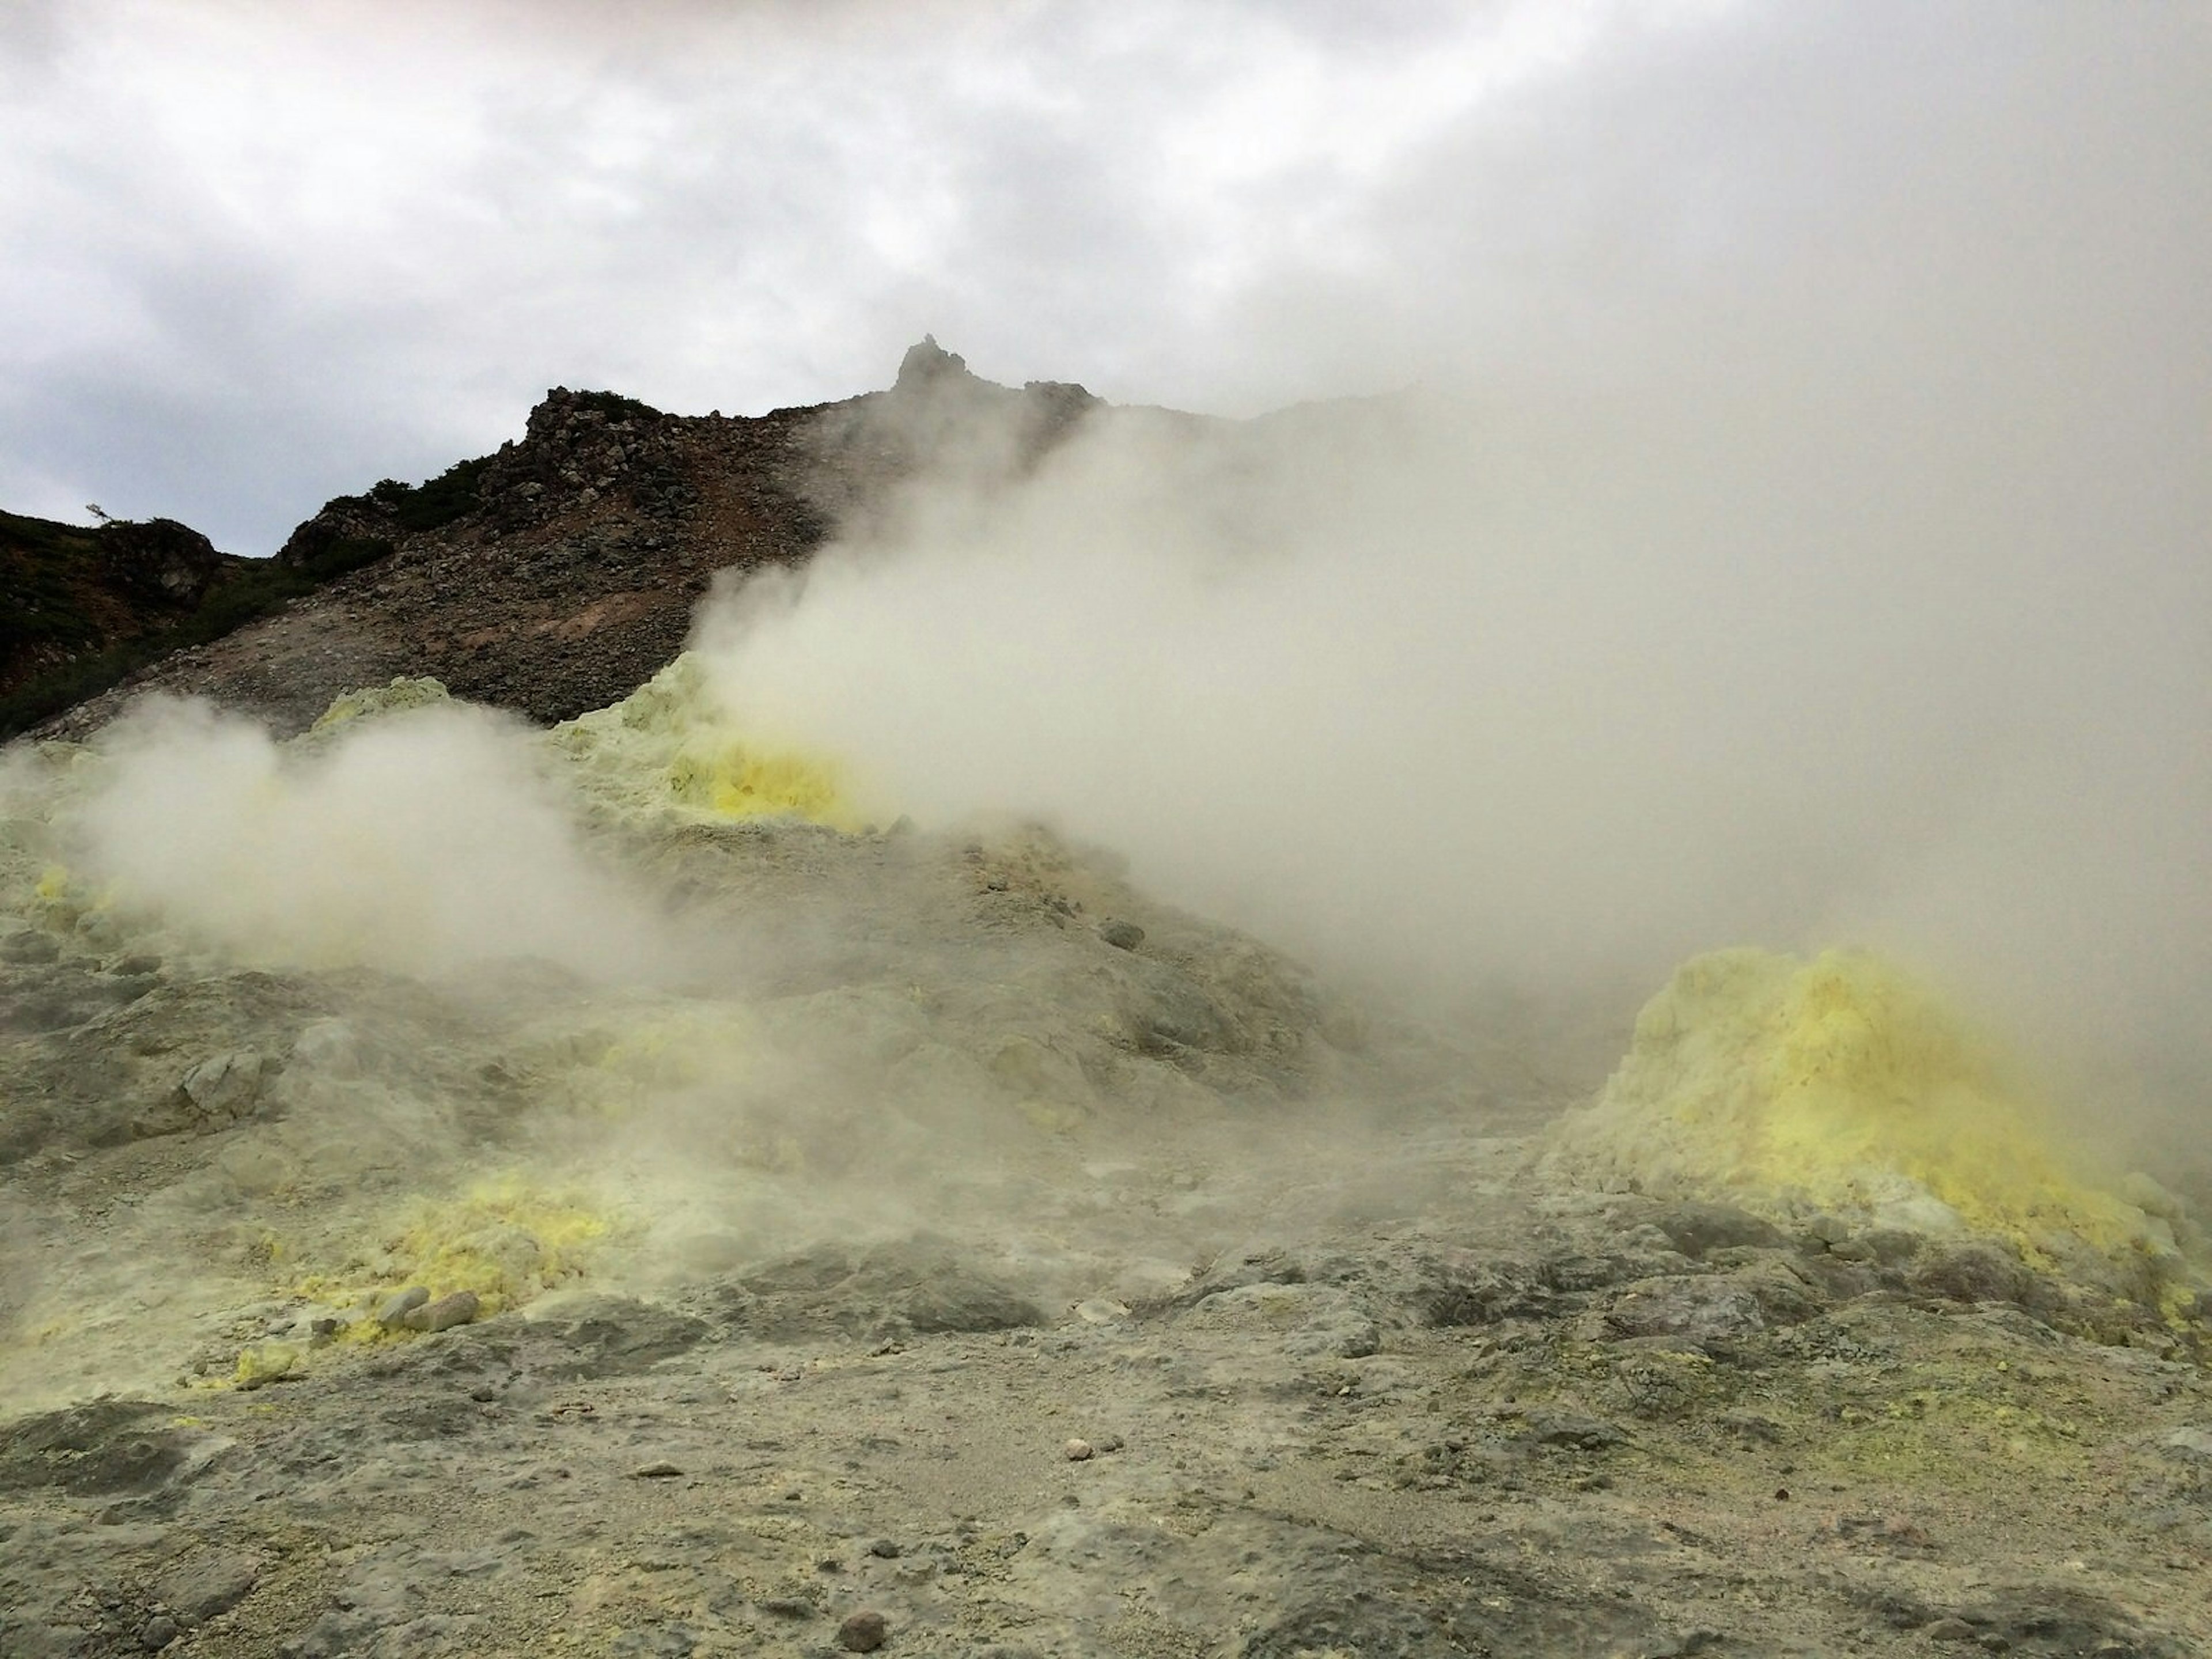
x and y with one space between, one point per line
265 1363
505 1239
401 694
670 745
1845 1085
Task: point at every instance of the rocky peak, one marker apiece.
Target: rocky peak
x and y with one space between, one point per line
929 364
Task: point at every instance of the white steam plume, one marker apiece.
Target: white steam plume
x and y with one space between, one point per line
1551 690
419 842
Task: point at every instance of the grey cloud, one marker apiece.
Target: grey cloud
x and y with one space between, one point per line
739 207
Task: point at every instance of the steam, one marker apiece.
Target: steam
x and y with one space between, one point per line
1551 689
420 843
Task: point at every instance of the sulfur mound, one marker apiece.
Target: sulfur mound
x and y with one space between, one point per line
371 703
1845 1086
670 745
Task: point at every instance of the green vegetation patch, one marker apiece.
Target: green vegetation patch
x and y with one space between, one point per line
42 566
252 591
434 503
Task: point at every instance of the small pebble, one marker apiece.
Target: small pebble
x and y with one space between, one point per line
1078 1451
863 1632
661 1471
160 1630
885 1549
1949 1630
788 1607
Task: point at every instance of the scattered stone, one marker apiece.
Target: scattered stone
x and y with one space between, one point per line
662 1470
1973 1273
1122 935
2189 1442
1949 1630
160 1631
30 947
1336 1334
1078 1451
1695 1228
211 1586
788 1607
863 1632
393 1316
1572 1431
885 1549
614 1336
265 1363
1750 1426
1108 1443
1702 1310
223 1089
458 1308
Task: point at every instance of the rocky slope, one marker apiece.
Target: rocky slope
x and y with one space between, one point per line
931 1244
558 574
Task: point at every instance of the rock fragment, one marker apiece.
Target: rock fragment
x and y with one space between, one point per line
29 948
223 1089
457 1307
1122 935
212 1585
1078 1451
265 1363
863 1632
393 1316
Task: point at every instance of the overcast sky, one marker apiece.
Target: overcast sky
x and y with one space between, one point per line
257 254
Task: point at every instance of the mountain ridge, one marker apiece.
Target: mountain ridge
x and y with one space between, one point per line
559 572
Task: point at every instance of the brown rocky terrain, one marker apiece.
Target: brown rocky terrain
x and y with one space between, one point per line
559 573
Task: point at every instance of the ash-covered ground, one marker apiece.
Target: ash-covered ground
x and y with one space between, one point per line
475 1192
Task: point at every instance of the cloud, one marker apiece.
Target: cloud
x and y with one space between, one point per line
401 223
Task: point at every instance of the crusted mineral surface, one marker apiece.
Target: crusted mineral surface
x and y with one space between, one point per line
758 1298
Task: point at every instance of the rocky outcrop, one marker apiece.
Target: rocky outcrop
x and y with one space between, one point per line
560 572
71 593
